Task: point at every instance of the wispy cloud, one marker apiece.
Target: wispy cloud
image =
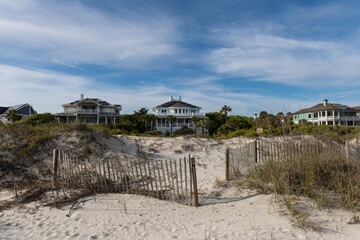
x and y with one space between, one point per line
48 90
269 56
71 33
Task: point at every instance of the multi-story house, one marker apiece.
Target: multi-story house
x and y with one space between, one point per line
89 110
329 114
182 111
24 110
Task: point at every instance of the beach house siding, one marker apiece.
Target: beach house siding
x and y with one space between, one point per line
329 114
89 110
183 112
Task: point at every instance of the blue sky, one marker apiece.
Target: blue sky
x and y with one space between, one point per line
252 55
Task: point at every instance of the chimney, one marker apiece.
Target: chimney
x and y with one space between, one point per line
255 116
325 102
179 98
171 98
81 96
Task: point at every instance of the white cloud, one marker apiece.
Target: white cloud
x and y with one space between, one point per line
270 57
47 91
71 33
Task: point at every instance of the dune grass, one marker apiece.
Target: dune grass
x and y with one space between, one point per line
329 180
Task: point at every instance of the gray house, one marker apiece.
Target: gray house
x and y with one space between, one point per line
89 110
24 110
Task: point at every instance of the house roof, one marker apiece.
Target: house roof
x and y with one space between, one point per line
4 110
329 106
177 104
95 100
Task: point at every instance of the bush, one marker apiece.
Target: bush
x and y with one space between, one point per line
183 131
39 118
243 132
154 133
118 132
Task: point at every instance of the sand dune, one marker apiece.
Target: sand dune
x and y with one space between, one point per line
225 212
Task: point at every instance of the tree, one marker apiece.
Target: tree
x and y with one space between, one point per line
152 118
215 120
13 116
195 120
171 119
202 125
140 118
263 114
225 109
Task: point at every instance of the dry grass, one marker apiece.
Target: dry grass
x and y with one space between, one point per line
327 179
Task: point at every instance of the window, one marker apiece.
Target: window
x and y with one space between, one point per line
329 113
175 110
323 114
315 115
309 115
163 111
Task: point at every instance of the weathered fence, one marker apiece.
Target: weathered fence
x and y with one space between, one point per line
172 180
260 151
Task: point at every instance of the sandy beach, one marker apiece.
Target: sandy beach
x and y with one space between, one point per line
225 212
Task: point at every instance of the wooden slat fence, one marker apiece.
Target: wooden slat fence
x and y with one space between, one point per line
172 180
260 151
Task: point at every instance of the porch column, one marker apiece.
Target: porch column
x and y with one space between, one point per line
106 119
97 118
67 119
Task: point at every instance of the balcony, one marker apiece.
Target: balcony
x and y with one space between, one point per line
91 111
175 125
181 114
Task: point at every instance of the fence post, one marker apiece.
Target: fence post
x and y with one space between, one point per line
196 196
256 157
227 164
55 167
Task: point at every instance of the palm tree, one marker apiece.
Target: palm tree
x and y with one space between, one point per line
171 119
225 109
13 116
202 124
194 120
152 119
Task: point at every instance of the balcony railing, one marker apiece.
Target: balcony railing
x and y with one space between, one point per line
87 111
175 125
182 114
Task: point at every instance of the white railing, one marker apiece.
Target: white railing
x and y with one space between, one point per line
88 111
181 114
176 125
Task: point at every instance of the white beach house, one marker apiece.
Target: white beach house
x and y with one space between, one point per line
181 110
89 110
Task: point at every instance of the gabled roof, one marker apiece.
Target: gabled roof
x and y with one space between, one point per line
177 104
329 106
95 100
4 110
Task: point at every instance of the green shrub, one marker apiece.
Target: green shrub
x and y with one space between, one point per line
183 131
118 132
154 133
39 119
